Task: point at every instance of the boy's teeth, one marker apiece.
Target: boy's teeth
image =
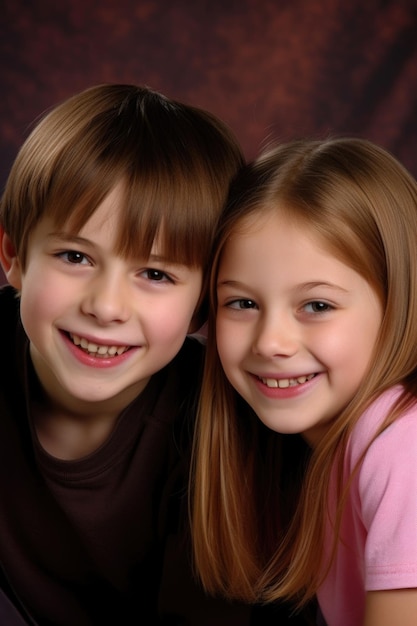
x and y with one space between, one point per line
283 383
98 350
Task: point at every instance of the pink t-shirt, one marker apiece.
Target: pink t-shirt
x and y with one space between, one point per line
378 545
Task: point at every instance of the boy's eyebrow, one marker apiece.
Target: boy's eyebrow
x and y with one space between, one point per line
73 238
159 258
67 237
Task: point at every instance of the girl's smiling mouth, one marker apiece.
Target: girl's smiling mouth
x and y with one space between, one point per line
284 383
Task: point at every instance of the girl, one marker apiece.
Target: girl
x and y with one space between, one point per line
314 305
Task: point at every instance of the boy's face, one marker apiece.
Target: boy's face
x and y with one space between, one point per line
99 325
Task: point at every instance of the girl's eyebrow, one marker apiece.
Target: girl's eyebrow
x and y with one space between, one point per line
230 283
305 286
322 283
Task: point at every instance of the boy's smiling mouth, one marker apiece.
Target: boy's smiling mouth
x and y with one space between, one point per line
98 350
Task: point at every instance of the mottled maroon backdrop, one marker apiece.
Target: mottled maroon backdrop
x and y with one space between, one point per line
270 68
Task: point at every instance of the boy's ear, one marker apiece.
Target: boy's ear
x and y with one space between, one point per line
9 260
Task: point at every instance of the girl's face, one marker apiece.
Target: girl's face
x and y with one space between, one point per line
296 327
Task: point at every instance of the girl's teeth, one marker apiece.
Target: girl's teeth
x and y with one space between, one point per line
283 383
93 348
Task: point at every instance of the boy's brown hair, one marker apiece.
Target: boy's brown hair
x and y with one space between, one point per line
175 161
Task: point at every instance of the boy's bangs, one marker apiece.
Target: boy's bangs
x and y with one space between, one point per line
174 210
171 219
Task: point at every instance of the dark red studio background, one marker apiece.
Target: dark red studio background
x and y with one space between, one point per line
272 69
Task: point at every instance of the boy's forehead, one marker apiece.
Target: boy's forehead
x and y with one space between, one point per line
109 212
139 225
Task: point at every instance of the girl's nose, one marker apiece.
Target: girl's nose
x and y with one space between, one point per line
107 300
276 335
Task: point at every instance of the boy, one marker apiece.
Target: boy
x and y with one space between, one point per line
106 224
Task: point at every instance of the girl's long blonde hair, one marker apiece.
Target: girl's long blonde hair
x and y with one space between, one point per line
259 499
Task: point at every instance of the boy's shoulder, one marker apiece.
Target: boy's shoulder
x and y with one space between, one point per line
9 298
192 350
176 389
10 316
186 369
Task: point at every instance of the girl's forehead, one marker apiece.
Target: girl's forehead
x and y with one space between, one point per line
264 215
273 226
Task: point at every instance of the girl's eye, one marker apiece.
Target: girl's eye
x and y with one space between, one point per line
242 304
317 307
75 257
157 275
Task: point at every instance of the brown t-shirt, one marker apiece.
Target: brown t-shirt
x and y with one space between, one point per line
97 540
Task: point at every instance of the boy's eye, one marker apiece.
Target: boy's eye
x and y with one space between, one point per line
156 275
75 257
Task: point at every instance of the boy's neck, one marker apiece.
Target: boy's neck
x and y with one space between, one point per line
71 430
70 437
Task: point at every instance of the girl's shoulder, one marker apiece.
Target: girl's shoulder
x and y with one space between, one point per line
377 412
384 491
399 439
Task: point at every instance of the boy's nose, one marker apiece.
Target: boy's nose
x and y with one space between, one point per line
107 300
